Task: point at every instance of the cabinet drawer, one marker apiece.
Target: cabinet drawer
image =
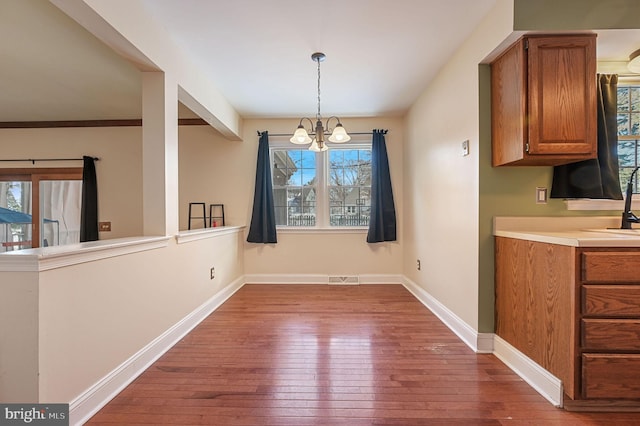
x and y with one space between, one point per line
610 376
611 300
611 334
612 267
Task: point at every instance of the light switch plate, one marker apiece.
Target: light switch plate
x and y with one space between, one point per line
465 148
541 195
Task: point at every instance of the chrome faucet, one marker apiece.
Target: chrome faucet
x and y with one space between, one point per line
627 216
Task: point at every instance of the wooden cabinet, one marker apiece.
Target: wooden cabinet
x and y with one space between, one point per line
610 324
543 101
576 312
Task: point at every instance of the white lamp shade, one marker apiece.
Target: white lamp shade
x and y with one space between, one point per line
634 62
300 137
339 135
315 148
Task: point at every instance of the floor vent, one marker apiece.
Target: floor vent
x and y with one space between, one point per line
344 280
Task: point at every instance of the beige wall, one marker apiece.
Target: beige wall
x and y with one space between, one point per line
118 172
18 336
441 185
213 169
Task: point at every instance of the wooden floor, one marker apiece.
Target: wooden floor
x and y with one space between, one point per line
332 355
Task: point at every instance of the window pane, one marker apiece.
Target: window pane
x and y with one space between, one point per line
623 124
294 180
15 215
627 153
349 187
635 99
623 99
635 124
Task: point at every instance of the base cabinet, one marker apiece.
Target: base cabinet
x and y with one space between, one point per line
574 311
610 376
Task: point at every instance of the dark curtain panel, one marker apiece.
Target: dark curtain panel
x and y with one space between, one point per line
263 218
597 178
89 207
382 224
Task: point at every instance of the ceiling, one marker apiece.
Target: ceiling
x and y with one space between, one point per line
380 55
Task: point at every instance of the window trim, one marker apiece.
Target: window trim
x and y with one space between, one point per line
35 176
322 191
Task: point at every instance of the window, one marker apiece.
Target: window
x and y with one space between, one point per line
328 189
39 207
349 187
628 133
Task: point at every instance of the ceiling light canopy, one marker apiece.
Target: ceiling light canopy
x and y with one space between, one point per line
338 133
634 62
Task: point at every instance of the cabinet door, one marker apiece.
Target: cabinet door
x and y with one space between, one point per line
562 95
509 106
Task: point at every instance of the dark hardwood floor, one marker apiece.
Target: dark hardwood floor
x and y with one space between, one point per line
332 355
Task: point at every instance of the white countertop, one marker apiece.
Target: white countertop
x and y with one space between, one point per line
568 231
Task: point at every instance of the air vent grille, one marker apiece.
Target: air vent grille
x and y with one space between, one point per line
344 279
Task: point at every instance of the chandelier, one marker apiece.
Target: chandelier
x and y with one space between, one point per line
338 133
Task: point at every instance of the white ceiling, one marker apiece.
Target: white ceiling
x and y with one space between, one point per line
380 55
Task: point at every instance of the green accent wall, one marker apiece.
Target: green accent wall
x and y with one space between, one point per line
561 15
510 191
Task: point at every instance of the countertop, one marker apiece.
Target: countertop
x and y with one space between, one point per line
568 231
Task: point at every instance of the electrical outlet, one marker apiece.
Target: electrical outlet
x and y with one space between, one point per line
212 272
104 226
418 264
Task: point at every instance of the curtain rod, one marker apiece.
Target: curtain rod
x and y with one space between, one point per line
351 133
33 160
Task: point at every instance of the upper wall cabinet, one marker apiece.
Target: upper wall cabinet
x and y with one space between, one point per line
543 101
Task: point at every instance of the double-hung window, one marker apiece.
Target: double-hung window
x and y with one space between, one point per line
330 189
628 133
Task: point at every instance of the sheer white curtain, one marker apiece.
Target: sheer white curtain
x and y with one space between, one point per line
60 202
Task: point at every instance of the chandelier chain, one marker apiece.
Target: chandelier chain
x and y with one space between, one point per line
319 117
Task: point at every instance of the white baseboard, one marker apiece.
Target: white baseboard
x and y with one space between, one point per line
478 342
98 395
318 279
546 384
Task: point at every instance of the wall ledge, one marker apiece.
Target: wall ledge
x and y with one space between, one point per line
46 258
202 234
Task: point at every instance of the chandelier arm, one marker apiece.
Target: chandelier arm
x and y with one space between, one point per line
329 129
311 125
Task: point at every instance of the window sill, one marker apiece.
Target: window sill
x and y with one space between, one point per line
332 230
608 205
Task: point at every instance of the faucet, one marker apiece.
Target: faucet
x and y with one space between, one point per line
627 216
